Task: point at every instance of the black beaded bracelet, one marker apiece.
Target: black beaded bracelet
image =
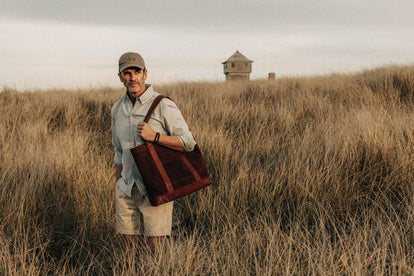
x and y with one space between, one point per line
157 138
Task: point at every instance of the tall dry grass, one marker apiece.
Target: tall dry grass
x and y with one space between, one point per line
311 176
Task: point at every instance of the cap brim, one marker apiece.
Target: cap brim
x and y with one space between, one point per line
127 65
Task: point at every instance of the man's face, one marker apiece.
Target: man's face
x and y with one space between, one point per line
134 80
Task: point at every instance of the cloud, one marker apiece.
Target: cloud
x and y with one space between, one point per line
77 43
214 15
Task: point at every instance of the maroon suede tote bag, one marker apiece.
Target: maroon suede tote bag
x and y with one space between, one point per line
169 174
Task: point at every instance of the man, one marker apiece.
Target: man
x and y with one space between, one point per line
135 217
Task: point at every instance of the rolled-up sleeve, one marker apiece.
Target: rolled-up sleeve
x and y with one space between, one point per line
188 141
176 125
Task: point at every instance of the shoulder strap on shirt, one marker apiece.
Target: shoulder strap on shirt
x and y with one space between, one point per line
154 104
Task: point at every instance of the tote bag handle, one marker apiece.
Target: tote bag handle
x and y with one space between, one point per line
154 104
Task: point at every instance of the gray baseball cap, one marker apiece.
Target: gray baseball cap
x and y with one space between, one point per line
131 59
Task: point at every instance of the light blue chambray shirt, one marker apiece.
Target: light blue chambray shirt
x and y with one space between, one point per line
166 119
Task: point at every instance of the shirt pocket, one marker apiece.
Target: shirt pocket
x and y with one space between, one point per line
134 120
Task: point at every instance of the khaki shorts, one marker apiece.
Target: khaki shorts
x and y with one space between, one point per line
136 216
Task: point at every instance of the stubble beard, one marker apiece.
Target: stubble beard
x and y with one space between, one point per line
136 89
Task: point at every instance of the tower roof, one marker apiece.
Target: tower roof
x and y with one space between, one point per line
237 57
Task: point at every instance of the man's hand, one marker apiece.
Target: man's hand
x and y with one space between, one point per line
146 132
118 170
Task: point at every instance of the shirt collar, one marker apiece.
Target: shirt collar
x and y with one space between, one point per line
147 95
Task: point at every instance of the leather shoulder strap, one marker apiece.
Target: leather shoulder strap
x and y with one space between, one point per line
154 104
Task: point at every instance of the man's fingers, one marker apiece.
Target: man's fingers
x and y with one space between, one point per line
142 128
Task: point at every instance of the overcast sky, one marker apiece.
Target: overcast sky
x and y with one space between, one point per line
76 44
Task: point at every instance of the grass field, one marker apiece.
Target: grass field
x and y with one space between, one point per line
312 175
